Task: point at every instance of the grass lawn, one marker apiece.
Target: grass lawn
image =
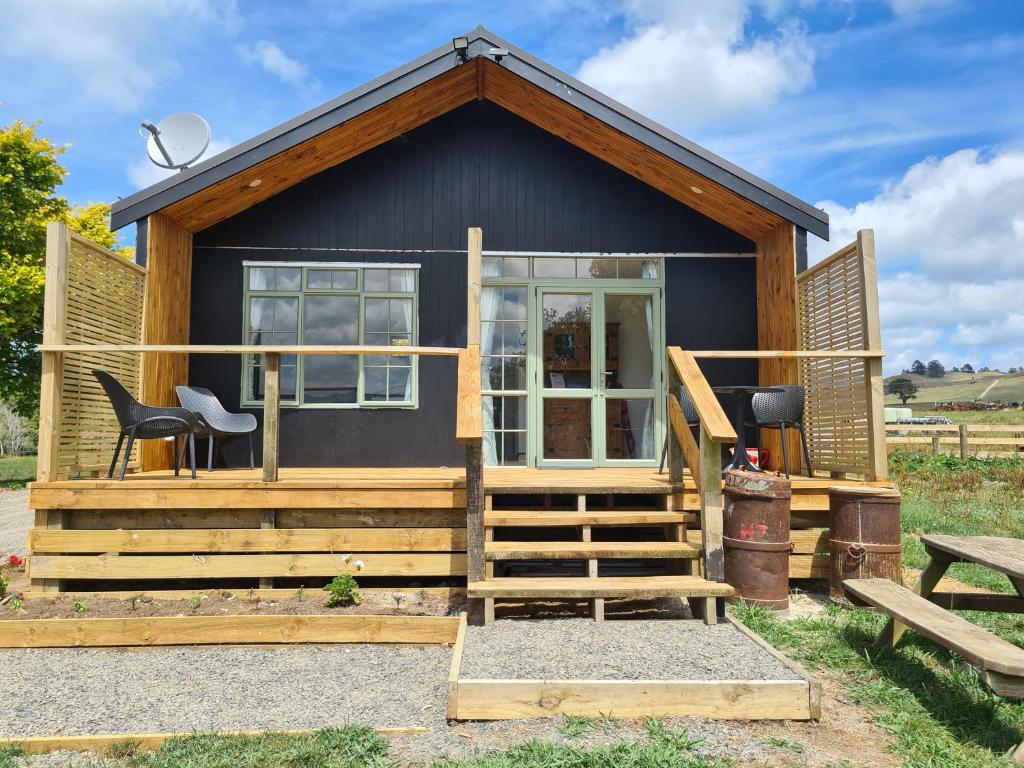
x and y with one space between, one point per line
1014 416
17 470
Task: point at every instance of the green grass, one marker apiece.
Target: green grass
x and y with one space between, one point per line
15 471
1009 416
1008 388
9 756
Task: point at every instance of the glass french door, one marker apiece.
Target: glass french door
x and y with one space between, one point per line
597 374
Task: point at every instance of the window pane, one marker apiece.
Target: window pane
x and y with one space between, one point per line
288 337
566 429
261 279
345 280
630 429
490 373
288 278
402 280
545 267
375 383
376 315
288 379
331 320
515 372
261 314
629 268
400 317
490 338
595 268
377 339
514 306
399 383
375 280
255 383
286 314
514 338
515 267
566 340
513 449
513 413
330 378
318 278
491 267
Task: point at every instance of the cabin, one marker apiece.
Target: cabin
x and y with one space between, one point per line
461 301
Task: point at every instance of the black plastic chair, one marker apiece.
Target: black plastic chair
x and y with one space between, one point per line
779 410
215 419
146 422
692 420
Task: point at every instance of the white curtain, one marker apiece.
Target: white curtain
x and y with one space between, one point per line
490 306
407 284
649 270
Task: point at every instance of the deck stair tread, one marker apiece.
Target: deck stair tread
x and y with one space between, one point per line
977 645
601 586
556 550
547 517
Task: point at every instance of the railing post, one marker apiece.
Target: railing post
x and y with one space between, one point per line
54 316
712 504
878 460
271 414
675 452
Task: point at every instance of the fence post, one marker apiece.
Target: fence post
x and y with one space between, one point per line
271 414
54 321
963 441
878 459
935 446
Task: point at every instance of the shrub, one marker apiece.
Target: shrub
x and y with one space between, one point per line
343 590
4 583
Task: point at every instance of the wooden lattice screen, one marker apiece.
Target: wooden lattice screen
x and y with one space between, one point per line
837 306
93 296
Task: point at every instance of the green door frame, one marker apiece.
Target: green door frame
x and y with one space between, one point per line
598 394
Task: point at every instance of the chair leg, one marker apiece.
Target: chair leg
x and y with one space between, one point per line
209 455
179 454
664 455
192 453
252 458
127 453
117 452
785 449
807 455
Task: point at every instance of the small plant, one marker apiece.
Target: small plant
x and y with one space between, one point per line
194 602
16 603
301 593
343 590
132 601
421 595
781 743
121 750
4 583
574 726
79 606
9 754
399 599
677 740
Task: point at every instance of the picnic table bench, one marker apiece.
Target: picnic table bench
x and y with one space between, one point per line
922 609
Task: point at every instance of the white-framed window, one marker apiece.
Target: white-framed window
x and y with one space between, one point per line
332 303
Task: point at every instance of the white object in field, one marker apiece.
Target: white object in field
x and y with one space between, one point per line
178 140
892 415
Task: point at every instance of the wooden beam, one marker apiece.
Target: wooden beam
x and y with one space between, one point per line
468 408
255 349
878 458
777 327
456 667
712 417
271 414
684 438
474 270
54 315
712 507
166 314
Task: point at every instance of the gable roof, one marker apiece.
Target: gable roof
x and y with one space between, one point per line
438 82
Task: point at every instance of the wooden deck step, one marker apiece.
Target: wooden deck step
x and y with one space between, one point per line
587 550
607 586
978 646
546 517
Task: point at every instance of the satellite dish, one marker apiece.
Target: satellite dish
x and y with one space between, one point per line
178 140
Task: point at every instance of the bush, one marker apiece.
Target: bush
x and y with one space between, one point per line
343 590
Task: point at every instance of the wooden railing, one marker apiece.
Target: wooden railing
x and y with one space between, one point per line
980 440
703 456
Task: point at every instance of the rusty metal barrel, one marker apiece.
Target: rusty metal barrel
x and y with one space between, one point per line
756 537
865 536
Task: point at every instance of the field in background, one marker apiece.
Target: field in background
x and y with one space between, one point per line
958 387
17 470
1008 416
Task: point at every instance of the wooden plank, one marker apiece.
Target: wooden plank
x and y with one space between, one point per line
468 408
245 566
277 593
225 630
474 268
165 321
878 458
604 586
271 415
808 567
249 498
254 349
976 645
456 667
475 506
965 601
712 417
720 699
810 541
250 540
999 553
712 507
100 743
814 687
787 354
575 550
548 518
54 319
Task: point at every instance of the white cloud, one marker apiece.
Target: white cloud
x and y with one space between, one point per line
110 48
916 7
688 63
950 241
271 58
142 173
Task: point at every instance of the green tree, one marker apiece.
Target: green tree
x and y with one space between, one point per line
967 368
936 370
902 387
918 367
30 173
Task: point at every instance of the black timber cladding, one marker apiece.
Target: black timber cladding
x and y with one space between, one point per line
440 60
477 166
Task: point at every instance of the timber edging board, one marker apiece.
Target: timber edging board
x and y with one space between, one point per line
101 742
226 630
481 699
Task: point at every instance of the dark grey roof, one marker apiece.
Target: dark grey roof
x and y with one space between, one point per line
442 59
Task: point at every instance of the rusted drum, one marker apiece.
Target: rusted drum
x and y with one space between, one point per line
756 537
865 536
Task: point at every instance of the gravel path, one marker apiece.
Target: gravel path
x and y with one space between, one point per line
15 520
623 650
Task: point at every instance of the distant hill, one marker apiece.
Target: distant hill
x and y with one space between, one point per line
991 386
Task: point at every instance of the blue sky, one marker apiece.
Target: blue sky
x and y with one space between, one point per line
902 115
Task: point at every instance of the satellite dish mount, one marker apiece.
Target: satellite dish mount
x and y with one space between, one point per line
177 141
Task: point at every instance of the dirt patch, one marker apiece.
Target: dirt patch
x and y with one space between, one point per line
218 603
